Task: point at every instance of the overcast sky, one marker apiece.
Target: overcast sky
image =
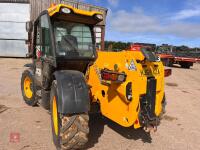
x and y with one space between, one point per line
174 22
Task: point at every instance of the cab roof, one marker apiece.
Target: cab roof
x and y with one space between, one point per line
56 8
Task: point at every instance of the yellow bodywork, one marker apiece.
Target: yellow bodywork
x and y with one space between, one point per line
56 8
112 96
55 115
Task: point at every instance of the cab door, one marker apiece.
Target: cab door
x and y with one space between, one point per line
44 56
37 48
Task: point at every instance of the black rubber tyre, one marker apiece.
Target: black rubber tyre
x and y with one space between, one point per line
29 99
185 66
170 63
73 129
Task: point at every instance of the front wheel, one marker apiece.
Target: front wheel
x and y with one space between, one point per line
69 131
28 87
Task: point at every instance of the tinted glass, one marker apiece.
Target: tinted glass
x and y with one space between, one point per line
73 39
149 55
46 40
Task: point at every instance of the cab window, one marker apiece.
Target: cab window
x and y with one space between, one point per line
46 37
73 40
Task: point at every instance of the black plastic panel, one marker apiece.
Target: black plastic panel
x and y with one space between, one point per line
151 96
73 94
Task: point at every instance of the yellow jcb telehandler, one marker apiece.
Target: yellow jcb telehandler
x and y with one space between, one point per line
67 76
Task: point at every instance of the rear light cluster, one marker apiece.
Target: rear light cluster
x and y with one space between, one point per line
113 76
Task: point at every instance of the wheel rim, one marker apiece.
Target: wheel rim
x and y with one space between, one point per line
27 87
55 116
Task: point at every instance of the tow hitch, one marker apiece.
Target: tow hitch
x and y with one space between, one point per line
150 128
147 103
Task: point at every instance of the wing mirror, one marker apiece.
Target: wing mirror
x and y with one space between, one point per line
29 26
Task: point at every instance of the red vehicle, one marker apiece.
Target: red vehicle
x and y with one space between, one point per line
148 51
167 58
184 62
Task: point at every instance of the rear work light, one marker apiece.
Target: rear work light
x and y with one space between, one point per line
113 76
65 10
99 16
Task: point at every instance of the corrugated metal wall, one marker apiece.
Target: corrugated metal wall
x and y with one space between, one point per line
13 17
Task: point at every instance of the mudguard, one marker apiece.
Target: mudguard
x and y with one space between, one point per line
73 92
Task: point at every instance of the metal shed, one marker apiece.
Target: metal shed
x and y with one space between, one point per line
13 35
15 13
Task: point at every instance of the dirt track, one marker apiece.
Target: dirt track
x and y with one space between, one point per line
179 129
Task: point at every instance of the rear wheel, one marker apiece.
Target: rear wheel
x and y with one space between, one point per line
185 65
28 88
69 131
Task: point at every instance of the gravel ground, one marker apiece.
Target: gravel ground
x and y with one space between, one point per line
179 130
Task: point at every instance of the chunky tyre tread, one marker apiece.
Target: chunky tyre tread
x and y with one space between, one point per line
74 131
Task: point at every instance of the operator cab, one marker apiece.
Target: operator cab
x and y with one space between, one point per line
66 34
64 39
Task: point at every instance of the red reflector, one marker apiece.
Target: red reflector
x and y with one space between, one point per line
168 72
109 76
113 77
105 76
136 122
